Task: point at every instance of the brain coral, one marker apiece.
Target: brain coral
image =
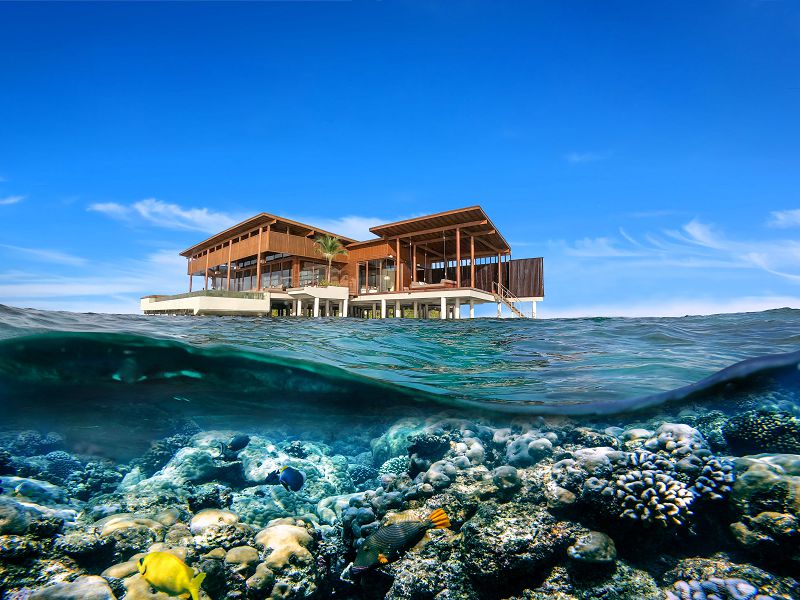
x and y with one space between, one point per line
761 431
288 543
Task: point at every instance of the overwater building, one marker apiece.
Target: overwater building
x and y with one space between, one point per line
436 266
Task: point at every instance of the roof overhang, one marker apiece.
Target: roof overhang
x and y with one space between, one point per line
438 232
262 220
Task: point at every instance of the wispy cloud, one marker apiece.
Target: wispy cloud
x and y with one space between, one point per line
584 157
46 255
696 245
163 214
784 218
11 200
110 287
678 307
599 247
352 226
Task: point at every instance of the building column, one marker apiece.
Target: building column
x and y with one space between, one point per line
443 308
299 311
499 310
343 308
533 309
327 308
397 309
499 268
268 298
458 258
258 260
383 308
295 272
190 283
230 248
413 263
471 308
205 285
416 310
457 309
316 307
472 261
398 277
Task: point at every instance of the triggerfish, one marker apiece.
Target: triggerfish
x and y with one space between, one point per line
389 541
169 574
289 477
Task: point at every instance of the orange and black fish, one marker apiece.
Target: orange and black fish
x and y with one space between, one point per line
390 541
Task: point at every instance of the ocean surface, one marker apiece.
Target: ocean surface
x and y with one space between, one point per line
579 459
92 372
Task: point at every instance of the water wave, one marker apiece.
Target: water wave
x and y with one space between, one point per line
67 369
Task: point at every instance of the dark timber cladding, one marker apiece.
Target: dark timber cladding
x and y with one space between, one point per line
453 249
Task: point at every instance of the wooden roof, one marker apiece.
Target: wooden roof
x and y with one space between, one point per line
438 231
281 224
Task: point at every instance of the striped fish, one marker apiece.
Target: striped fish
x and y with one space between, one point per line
390 541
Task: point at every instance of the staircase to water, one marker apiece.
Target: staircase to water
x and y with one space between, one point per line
503 295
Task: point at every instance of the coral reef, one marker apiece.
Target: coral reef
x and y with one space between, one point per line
756 432
534 507
766 498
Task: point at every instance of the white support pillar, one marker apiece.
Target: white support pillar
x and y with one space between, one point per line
327 308
443 308
268 298
457 309
533 309
383 308
374 310
416 309
397 310
343 308
316 307
471 308
299 311
499 310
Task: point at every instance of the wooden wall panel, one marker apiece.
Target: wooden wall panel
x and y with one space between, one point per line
524 277
361 253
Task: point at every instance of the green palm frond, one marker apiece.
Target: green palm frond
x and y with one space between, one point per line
330 247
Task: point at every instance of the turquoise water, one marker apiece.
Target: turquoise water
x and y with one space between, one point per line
69 366
579 459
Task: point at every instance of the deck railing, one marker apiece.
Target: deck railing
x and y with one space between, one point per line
214 294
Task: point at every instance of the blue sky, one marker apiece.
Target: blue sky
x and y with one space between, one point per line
650 151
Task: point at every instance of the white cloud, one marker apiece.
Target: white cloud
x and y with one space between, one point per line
47 255
703 235
170 216
111 287
784 218
696 245
677 307
11 200
584 157
598 247
352 226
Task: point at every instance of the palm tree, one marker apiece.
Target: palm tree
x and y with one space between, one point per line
329 246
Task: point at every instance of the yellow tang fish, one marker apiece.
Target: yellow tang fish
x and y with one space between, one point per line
169 574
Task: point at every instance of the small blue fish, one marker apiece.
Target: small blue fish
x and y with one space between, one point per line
290 478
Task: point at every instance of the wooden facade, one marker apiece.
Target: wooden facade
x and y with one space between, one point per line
454 249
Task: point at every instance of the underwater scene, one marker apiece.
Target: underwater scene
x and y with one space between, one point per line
248 458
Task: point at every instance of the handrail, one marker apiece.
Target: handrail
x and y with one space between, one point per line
503 294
